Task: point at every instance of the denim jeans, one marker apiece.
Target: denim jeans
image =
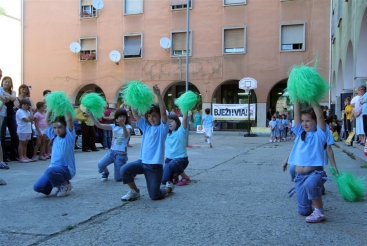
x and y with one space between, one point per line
308 187
11 123
117 158
153 176
177 165
53 177
107 137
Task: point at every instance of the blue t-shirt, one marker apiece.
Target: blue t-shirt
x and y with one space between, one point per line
152 144
311 151
364 105
208 121
119 142
285 122
272 124
63 149
176 144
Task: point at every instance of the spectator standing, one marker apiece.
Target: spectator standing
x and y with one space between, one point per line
9 121
107 134
357 114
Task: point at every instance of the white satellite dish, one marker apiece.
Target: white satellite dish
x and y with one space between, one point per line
115 56
98 4
75 47
165 43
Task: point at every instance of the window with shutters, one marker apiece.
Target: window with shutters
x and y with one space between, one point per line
179 43
180 4
132 46
233 2
234 40
292 37
88 49
87 10
132 7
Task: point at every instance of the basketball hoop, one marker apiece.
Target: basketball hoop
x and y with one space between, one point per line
248 84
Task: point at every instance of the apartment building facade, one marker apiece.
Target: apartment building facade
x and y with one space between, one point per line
229 40
348 50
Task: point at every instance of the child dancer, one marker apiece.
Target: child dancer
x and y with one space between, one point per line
24 117
176 154
280 128
62 167
117 155
285 126
208 123
308 158
40 124
273 129
154 126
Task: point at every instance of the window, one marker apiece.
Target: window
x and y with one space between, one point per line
87 10
179 43
234 40
133 7
292 37
132 46
180 4
233 2
88 49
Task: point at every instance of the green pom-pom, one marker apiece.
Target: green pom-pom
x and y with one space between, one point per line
186 101
138 96
305 84
351 188
59 104
94 103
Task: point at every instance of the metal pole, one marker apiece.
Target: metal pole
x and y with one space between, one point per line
187 59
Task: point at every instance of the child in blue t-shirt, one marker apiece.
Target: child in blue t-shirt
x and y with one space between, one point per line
308 157
285 125
155 127
208 123
117 154
62 167
273 129
176 154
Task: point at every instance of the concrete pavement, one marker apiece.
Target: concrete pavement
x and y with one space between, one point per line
238 196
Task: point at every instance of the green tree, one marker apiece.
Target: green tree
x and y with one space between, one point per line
2 11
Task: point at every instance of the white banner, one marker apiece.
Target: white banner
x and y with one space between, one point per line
233 111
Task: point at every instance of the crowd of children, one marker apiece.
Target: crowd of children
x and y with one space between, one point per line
279 125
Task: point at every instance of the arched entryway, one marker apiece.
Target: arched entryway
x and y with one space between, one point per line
278 98
229 93
89 88
175 90
348 73
361 61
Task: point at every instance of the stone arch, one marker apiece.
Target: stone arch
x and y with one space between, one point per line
349 69
339 80
277 97
79 91
361 54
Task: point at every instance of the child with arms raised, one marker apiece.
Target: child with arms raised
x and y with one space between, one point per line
117 155
155 127
176 154
307 156
62 166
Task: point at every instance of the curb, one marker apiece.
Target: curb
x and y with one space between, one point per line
354 152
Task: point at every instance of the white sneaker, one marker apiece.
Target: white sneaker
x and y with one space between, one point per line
64 190
316 217
132 195
170 185
270 141
105 176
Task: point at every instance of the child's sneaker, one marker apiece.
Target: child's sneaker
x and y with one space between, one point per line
183 181
23 160
270 141
105 176
132 195
34 158
64 190
316 216
43 158
170 186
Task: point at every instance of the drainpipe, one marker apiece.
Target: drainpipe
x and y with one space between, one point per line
22 44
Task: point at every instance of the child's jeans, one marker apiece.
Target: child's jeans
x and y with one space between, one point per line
153 176
172 166
118 158
53 177
308 187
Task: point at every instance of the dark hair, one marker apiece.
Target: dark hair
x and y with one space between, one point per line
176 119
23 86
40 105
122 111
347 98
285 116
61 120
24 101
45 92
310 112
207 110
153 108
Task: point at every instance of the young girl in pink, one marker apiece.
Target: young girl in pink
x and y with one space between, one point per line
40 124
